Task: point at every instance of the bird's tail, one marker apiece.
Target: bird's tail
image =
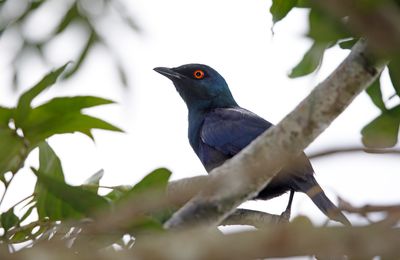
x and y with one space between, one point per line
320 199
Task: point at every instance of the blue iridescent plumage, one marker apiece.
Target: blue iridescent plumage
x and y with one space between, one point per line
219 128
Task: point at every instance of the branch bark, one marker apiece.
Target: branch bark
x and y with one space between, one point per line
242 177
253 218
296 239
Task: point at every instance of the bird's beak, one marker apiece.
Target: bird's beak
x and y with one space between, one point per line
169 73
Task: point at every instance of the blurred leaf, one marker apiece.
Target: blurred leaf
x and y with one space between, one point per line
394 73
280 8
28 213
12 152
24 102
125 16
304 4
324 28
5 116
48 205
375 93
69 16
9 219
122 75
71 196
383 131
348 44
146 225
156 180
22 235
32 7
82 56
117 193
92 183
310 62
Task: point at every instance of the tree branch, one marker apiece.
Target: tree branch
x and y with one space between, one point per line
253 218
242 177
355 149
297 239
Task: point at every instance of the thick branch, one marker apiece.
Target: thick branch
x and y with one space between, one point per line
242 177
276 241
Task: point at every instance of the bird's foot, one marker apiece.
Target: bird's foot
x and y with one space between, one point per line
285 216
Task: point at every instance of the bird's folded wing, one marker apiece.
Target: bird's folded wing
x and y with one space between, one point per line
229 130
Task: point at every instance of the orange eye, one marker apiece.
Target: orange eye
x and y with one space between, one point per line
198 74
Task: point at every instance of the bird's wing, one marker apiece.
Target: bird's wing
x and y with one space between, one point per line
229 130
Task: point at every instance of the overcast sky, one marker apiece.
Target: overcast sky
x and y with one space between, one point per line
235 38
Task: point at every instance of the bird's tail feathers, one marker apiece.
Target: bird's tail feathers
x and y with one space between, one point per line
320 199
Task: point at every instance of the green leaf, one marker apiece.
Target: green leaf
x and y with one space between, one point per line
24 102
92 183
61 105
383 131
47 125
13 151
304 4
117 193
49 162
324 28
146 225
5 116
80 200
22 235
310 62
394 73
280 8
9 219
156 180
48 205
348 44
28 213
63 115
71 15
375 93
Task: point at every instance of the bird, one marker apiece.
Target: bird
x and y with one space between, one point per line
219 129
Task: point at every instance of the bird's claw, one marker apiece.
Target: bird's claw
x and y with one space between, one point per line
285 216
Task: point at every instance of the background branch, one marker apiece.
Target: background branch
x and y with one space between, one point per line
297 239
354 149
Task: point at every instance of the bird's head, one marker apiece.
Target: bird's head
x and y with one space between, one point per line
199 85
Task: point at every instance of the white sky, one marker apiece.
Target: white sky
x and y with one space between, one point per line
235 38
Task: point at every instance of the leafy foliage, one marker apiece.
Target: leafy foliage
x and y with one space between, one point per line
327 31
87 15
22 128
25 127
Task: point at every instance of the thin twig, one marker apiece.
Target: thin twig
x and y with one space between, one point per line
355 149
6 184
346 206
22 200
